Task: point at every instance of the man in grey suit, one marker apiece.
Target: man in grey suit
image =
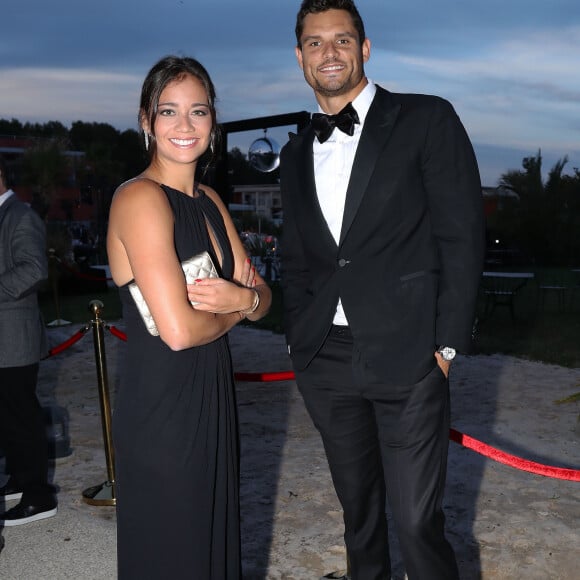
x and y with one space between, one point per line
382 253
23 437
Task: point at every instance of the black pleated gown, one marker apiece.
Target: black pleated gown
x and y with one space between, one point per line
175 437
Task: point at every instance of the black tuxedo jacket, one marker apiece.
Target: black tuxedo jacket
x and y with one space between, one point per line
409 261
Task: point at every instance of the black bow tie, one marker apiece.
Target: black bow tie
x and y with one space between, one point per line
345 120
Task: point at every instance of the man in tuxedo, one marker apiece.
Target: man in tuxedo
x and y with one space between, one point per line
23 436
382 253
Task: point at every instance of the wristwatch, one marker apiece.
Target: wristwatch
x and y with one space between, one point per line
447 353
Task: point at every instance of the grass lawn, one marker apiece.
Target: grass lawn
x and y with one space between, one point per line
75 307
542 329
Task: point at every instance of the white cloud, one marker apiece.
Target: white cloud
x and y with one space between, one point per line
511 75
523 92
543 53
69 95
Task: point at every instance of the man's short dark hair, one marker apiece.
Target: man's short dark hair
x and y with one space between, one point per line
317 6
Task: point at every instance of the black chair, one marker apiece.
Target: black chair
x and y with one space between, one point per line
500 291
555 285
574 288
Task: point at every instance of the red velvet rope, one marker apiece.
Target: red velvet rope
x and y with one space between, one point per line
264 377
118 333
68 343
454 435
513 460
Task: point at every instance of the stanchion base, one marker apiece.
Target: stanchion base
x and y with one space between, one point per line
59 322
103 494
340 575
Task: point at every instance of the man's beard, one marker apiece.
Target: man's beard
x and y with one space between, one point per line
334 88
334 91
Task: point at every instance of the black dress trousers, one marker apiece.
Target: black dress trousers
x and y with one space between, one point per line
383 441
23 436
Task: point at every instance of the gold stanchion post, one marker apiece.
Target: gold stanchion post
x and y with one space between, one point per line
103 494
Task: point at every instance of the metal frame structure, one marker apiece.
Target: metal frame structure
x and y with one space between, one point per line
220 175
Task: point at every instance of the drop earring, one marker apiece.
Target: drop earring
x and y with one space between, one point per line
146 137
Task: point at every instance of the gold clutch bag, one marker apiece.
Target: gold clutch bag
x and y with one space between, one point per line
196 267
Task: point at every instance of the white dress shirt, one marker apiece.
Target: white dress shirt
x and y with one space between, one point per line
5 196
333 161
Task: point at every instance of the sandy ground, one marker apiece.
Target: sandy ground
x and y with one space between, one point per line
503 523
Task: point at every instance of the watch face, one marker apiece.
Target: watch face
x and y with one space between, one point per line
447 353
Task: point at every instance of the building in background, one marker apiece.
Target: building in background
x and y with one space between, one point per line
263 200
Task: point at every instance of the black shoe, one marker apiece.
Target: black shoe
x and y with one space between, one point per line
24 514
10 492
1 543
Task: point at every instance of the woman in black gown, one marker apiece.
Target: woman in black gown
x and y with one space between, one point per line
175 423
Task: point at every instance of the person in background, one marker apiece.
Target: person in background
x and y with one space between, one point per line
23 432
382 253
175 429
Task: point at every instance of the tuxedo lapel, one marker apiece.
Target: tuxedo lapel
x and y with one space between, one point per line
4 207
304 196
377 129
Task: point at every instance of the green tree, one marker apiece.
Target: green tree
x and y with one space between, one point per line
48 130
543 220
242 173
45 168
131 154
11 128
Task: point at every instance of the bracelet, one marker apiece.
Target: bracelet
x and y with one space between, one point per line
255 303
